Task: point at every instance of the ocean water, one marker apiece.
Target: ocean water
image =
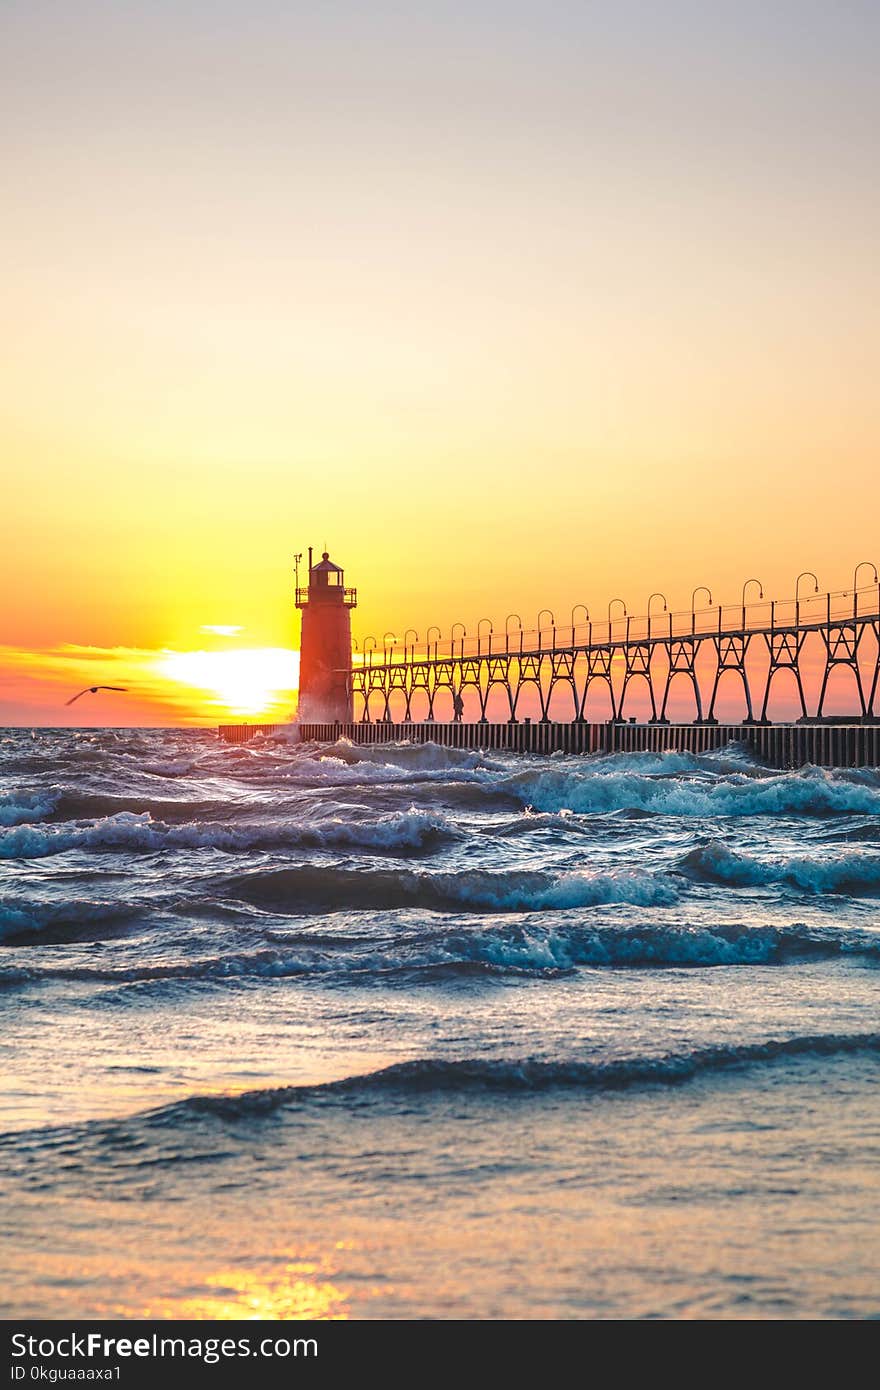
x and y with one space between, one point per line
404 1031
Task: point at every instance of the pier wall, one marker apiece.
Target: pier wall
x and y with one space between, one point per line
779 745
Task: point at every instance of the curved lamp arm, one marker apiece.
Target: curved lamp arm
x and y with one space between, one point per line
805 574
650 601
552 622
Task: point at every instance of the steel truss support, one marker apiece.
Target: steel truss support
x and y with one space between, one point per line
420 676
529 673
470 674
731 650
842 642
598 669
498 673
784 649
562 666
681 655
873 712
637 659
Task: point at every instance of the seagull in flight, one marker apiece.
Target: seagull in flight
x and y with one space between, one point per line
93 690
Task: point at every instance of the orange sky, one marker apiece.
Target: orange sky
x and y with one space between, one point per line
512 305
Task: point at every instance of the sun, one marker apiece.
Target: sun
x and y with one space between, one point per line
245 681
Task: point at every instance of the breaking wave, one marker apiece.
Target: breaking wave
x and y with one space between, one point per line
853 874
18 808
503 949
476 890
811 792
22 918
137 831
419 757
428 1075
424 1077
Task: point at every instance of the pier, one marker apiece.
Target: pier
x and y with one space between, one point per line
406 690
778 745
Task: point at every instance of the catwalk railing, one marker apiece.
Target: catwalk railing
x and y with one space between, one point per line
700 645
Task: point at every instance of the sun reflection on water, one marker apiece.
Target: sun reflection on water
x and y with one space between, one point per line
300 1290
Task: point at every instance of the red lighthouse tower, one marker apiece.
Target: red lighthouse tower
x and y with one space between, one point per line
325 645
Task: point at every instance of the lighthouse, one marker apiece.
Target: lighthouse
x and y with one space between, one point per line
325 645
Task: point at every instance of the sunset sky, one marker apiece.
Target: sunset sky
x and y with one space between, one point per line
512 303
